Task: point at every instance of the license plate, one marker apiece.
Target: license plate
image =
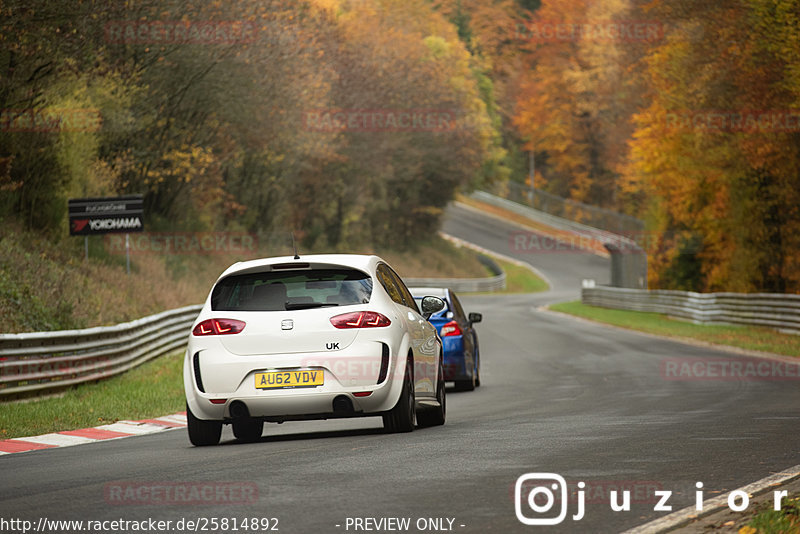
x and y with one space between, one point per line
289 379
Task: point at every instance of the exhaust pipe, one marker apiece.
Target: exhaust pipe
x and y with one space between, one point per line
343 405
239 410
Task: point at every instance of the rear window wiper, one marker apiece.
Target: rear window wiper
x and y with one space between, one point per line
308 305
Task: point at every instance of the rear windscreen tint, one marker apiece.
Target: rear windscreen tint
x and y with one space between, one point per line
291 290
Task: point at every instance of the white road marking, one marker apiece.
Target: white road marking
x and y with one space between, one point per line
59 440
713 505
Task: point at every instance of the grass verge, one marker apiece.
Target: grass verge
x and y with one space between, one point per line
520 279
745 337
150 390
769 521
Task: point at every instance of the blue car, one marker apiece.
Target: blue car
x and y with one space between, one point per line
462 362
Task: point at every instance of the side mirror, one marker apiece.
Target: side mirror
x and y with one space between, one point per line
475 317
431 305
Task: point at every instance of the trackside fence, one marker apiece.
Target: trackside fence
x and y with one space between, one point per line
38 362
773 310
564 208
492 283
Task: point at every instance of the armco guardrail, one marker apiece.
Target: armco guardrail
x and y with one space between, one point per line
774 310
41 361
565 208
559 223
465 285
492 283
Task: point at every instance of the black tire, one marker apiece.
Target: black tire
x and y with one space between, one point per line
468 384
248 430
202 433
401 417
477 368
435 416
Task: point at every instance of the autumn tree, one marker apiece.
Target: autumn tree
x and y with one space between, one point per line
714 153
575 105
213 129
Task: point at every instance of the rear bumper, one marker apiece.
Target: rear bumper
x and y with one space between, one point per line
228 378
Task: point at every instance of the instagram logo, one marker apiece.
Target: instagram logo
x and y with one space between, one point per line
538 492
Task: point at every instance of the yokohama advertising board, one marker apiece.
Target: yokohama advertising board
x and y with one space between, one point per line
94 216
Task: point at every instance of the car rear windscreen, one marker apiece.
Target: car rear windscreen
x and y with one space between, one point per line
291 290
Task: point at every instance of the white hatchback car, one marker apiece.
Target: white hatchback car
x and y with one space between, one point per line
318 337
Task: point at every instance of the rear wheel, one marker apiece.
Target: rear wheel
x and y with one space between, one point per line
202 433
468 384
248 430
401 417
435 416
477 368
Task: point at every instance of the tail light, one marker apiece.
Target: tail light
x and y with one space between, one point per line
450 329
364 319
218 327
